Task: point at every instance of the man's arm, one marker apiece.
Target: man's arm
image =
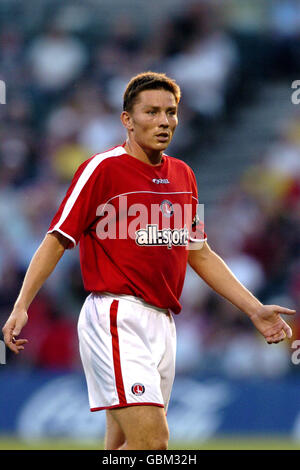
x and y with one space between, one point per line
214 271
41 266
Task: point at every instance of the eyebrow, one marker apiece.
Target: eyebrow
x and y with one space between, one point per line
156 108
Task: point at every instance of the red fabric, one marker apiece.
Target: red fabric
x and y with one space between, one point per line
116 353
128 404
122 266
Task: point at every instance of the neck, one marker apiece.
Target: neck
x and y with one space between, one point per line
152 157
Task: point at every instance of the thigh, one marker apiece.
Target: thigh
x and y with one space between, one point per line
114 437
144 427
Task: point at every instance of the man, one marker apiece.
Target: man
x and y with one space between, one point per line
134 267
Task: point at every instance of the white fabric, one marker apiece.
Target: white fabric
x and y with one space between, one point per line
147 346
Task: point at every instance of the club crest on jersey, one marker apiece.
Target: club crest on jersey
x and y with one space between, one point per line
138 389
167 208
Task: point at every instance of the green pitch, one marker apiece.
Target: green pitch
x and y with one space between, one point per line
234 443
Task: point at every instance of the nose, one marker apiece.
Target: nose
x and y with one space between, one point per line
164 120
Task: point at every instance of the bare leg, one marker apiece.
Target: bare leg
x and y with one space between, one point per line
144 427
114 437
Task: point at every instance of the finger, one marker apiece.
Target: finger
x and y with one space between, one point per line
19 342
287 329
276 338
280 336
9 339
273 341
284 310
269 339
7 335
278 328
17 330
12 346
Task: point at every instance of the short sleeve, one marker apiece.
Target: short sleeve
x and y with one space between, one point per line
79 206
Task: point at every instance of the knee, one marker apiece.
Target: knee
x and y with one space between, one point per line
158 444
158 440
153 441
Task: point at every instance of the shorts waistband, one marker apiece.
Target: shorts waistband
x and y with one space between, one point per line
132 298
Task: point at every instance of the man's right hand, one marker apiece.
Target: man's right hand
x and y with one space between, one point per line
12 328
41 266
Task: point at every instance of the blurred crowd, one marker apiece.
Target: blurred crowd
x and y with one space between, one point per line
256 230
64 98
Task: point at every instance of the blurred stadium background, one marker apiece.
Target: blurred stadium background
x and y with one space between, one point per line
65 66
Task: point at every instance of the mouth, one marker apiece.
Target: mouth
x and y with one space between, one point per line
163 136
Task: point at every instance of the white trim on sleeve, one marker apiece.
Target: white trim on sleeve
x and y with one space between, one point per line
82 180
64 234
198 239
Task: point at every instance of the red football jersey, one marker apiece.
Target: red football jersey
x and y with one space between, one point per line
134 225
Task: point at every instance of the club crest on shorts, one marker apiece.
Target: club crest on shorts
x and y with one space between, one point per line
167 208
138 389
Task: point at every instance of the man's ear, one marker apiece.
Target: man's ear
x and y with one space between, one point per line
126 120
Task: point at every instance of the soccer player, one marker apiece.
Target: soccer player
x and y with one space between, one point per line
121 207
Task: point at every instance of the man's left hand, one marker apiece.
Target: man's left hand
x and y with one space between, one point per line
270 324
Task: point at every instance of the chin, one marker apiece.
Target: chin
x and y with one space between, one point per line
162 145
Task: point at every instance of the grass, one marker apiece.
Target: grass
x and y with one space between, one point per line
224 443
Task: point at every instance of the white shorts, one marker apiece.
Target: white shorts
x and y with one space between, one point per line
127 348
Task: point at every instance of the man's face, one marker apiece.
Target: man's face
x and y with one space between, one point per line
153 119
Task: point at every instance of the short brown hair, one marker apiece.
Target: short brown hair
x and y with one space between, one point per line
148 81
